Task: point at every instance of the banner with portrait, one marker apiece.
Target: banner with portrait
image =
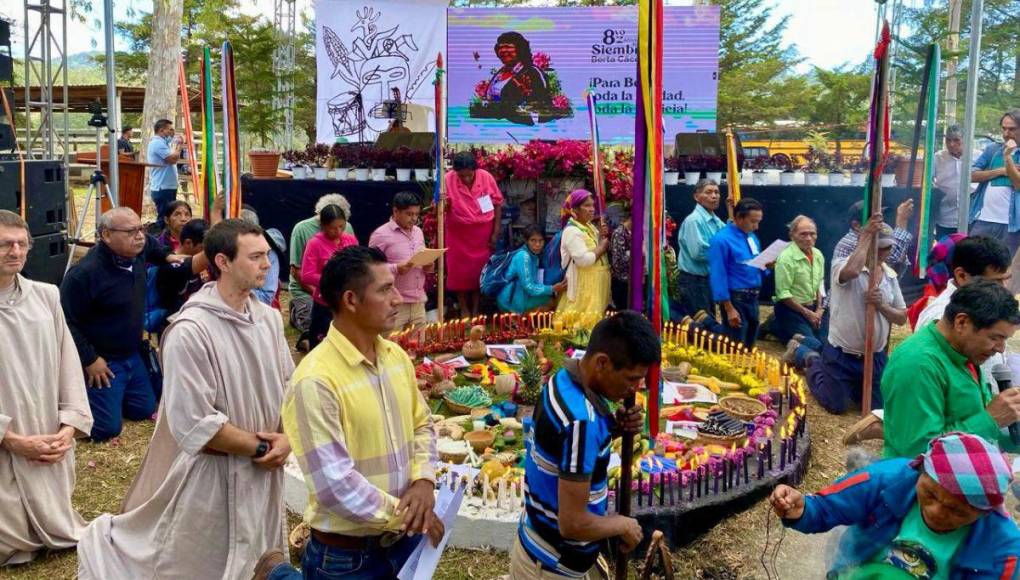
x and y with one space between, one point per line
367 53
517 74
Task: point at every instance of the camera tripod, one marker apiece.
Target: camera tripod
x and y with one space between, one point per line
98 189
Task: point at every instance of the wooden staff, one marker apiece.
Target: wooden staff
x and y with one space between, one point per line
876 203
441 188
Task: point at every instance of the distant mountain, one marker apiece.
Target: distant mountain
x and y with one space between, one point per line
83 59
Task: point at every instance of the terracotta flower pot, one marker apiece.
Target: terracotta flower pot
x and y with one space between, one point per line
264 163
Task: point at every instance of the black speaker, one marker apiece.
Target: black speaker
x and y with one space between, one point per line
47 259
6 137
44 182
5 32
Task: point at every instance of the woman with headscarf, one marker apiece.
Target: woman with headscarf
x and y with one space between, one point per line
583 254
518 87
474 208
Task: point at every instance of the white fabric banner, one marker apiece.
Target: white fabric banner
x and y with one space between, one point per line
363 51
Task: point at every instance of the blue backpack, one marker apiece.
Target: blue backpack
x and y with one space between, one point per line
495 274
552 264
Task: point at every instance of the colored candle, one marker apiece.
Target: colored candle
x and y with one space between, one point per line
715 487
747 478
761 461
768 451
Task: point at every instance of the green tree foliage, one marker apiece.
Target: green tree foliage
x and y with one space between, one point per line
999 83
840 101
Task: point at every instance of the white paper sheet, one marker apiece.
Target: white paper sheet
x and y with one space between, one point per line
769 255
422 563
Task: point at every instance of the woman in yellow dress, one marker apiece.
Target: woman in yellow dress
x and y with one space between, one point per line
584 255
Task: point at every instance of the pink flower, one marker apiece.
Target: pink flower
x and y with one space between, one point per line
541 60
482 89
560 102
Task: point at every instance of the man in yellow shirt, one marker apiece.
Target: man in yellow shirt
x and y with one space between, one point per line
362 433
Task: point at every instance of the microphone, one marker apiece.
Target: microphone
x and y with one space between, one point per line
1003 378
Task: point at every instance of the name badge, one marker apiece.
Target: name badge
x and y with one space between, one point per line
485 204
751 243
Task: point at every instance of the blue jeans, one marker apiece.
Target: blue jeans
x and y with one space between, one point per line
789 322
695 294
997 231
746 303
161 198
835 377
130 396
321 562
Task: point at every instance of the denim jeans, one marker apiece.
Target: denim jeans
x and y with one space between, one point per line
789 322
129 395
695 294
321 562
161 198
835 377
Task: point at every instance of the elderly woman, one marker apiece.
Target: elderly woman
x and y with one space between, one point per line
474 209
800 278
583 253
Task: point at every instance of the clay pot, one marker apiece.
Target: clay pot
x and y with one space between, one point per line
264 163
473 350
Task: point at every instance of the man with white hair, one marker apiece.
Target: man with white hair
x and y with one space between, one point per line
947 180
103 297
300 296
43 408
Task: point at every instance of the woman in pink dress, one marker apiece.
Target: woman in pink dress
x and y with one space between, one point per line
473 211
330 240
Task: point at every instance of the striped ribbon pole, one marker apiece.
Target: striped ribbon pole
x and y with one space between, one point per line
231 140
209 188
439 195
189 132
596 153
924 241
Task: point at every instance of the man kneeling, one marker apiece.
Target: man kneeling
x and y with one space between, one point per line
565 473
940 515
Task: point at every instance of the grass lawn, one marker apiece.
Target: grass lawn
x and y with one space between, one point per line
730 550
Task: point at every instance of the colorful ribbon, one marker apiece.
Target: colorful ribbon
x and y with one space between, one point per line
208 181
189 132
930 147
231 139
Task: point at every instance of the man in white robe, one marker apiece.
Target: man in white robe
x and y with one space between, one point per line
43 408
208 500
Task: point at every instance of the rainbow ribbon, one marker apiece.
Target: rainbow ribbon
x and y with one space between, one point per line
878 145
189 132
208 181
231 139
930 146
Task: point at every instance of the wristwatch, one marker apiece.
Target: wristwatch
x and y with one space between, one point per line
261 449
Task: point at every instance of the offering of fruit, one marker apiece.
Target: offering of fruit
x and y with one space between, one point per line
531 380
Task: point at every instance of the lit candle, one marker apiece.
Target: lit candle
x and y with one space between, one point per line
747 478
761 461
782 448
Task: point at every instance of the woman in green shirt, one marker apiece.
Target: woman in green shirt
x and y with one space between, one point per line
800 275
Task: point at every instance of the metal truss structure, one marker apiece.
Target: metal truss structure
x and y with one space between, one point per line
46 119
284 21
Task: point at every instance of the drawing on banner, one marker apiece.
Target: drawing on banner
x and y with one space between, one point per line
375 64
523 89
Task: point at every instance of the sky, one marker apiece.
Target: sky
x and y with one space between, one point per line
827 33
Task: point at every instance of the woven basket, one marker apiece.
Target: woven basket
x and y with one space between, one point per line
743 408
458 408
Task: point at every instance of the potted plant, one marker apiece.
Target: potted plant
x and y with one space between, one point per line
892 162
789 165
295 160
672 175
382 159
815 165
317 155
757 166
836 167
421 163
264 162
715 165
404 161
361 159
340 155
859 171
692 165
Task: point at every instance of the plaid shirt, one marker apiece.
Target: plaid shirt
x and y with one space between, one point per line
361 432
898 259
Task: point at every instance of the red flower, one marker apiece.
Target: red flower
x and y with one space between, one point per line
541 60
482 89
560 102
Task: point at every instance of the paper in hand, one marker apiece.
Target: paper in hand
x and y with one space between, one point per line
425 257
769 255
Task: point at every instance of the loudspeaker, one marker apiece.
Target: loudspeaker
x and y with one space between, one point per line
47 260
6 68
44 182
5 32
6 137
413 141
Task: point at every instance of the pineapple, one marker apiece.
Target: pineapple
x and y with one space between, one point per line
531 380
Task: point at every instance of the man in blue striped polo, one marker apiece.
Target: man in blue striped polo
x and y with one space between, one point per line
565 523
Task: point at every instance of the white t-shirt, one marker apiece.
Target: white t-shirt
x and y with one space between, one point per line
995 209
849 312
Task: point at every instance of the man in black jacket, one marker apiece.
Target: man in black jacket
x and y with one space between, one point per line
103 297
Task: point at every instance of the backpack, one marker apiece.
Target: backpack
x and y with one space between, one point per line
155 314
552 263
495 274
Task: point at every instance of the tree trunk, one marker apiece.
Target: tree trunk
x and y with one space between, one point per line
161 98
952 46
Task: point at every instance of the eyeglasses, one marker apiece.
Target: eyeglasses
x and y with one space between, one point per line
6 247
130 231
